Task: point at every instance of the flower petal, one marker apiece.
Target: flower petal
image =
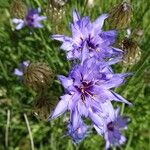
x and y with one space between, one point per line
75 15
61 107
16 21
18 72
100 21
75 118
20 26
96 119
119 98
66 82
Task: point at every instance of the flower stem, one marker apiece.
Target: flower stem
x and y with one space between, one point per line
29 130
7 129
129 141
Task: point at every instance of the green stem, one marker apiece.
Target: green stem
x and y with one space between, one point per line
122 108
29 130
7 129
129 141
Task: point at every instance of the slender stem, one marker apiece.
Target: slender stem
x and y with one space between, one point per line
114 148
122 108
129 141
29 130
85 5
7 129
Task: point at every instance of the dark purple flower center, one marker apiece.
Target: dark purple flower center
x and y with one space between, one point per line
110 126
30 20
85 89
91 45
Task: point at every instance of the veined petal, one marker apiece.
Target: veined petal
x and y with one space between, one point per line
108 110
16 21
107 145
75 15
18 72
122 139
66 82
58 37
96 119
38 25
40 18
99 130
109 36
61 107
67 46
75 118
61 38
114 60
20 26
85 53
119 98
100 21
117 111
82 109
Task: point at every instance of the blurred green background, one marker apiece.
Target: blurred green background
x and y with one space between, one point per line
17 100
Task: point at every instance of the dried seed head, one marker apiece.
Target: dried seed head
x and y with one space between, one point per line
44 106
120 16
55 13
132 51
38 76
90 3
18 9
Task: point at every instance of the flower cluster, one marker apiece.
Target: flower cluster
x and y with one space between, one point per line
32 20
89 85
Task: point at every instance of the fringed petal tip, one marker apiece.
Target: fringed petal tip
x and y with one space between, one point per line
75 15
57 37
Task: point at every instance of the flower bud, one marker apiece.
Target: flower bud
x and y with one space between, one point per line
38 76
120 16
132 51
18 9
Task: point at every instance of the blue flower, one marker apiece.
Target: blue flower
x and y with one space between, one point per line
19 71
32 20
77 129
89 86
99 43
111 130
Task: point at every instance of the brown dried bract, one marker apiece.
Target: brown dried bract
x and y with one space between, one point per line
38 76
55 13
120 16
18 9
132 51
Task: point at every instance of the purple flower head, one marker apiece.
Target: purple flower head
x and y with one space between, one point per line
77 129
98 42
19 71
87 88
111 130
32 20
